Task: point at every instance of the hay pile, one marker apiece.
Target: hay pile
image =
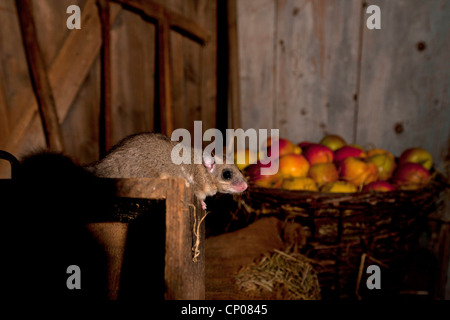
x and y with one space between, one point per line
288 274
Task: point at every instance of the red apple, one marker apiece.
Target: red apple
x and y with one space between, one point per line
385 163
358 171
253 173
323 173
379 186
317 153
411 176
333 142
417 155
348 151
293 166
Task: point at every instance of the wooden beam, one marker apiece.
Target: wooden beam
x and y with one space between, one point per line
41 84
66 74
156 11
164 81
184 279
105 124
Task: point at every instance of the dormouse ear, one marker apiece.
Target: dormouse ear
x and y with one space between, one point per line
209 163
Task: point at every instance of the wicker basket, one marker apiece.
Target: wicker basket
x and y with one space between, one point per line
344 232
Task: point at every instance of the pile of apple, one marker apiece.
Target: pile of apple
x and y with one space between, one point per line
334 166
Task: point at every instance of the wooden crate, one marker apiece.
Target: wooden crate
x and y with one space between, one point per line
137 245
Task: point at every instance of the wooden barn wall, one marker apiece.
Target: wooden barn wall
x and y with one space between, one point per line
311 67
73 62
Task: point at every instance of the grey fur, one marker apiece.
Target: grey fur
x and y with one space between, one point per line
149 155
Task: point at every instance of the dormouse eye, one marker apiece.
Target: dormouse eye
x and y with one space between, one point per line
227 174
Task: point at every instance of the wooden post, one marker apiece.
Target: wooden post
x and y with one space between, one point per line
105 108
39 77
164 83
165 20
183 278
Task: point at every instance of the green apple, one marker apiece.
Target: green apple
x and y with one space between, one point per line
385 163
417 155
333 142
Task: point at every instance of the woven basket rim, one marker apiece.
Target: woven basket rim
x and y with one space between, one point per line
437 184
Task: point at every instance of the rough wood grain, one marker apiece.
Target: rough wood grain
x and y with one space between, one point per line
41 85
65 77
256 42
316 68
157 11
234 99
405 75
185 279
133 74
106 118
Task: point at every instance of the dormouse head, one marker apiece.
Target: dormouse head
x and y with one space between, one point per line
227 176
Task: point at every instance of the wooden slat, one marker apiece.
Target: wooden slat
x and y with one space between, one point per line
256 36
65 76
4 116
164 83
404 97
39 77
106 119
185 279
177 21
316 68
133 84
234 100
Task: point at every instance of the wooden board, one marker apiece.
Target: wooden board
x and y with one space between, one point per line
193 67
133 74
313 67
256 42
405 75
316 68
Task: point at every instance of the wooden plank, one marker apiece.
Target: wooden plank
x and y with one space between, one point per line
234 101
106 125
193 71
133 66
39 77
178 90
316 68
65 76
158 12
15 74
185 279
205 60
405 73
256 42
164 82
4 114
